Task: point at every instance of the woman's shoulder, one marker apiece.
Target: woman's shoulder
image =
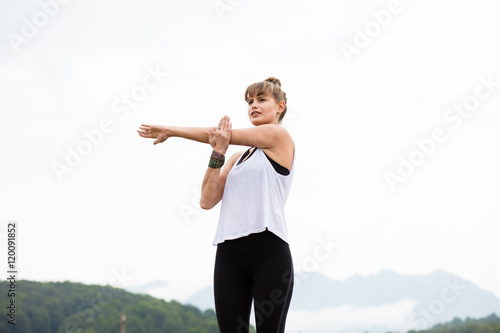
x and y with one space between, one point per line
234 157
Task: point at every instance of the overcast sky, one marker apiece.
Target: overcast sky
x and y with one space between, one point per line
394 107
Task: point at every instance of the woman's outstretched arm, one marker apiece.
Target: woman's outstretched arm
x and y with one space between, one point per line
263 136
162 133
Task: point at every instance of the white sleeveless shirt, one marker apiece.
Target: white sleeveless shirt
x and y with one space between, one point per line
254 199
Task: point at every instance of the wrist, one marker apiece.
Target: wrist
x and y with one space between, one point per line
219 151
217 154
216 160
169 131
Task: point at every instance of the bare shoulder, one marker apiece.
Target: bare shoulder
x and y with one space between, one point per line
277 129
284 150
230 162
287 135
281 135
234 157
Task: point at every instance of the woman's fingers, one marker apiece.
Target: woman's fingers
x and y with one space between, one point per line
144 134
149 131
144 129
225 123
222 127
222 123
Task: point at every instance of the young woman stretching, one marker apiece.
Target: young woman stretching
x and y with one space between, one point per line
253 260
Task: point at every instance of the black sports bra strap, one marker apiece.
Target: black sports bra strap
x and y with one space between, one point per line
277 167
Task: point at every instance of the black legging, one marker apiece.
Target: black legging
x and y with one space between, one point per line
257 266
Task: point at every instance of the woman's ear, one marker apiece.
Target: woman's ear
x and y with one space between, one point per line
282 106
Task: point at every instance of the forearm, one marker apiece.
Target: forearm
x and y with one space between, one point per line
199 134
209 188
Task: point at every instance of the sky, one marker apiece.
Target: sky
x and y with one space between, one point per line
393 107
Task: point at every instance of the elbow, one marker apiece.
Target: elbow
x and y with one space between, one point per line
209 200
206 205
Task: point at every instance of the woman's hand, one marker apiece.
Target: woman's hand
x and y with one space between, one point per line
220 137
160 133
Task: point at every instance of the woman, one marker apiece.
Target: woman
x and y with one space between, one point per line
253 260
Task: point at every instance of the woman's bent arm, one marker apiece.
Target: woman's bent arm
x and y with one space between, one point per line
214 182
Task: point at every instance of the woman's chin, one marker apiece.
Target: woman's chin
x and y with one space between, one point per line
257 121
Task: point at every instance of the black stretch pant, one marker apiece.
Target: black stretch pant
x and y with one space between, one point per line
259 267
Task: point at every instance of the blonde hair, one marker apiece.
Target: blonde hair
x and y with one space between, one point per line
269 87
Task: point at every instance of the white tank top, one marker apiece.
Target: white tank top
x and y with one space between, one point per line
254 199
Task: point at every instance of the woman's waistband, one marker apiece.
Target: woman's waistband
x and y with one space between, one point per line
252 241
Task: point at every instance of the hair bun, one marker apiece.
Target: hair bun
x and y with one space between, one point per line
273 80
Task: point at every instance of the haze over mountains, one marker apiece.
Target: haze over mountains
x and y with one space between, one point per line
393 301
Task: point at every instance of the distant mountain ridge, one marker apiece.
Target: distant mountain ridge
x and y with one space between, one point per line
439 296
389 287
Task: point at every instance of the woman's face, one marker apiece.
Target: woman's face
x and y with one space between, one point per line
264 110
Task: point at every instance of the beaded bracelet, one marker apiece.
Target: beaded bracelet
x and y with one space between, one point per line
216 160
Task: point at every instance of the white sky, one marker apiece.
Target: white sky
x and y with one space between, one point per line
120 209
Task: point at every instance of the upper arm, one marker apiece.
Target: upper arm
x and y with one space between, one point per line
263 136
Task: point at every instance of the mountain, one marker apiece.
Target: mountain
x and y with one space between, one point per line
318 291
203 298
490 324
438 296
147 287
50 307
